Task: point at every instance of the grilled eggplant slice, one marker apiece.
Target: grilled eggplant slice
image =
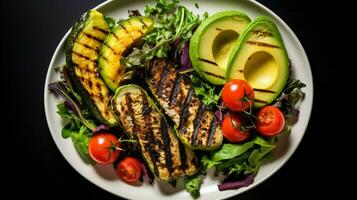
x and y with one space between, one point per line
81 50
140 117
126 34
196 125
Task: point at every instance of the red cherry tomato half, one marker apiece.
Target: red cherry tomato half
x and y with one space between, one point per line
232 129
270 121
129 170
103 148
237 95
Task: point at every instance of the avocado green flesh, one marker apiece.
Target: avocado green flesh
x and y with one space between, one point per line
116 44
260 58
161 149
212 43
82 46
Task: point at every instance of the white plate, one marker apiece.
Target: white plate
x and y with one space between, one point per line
105 176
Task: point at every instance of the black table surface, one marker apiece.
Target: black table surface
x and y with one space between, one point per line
31 30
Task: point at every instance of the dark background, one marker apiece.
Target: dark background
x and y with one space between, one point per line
30 32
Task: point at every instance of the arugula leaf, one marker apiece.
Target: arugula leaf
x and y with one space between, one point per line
171 22
205 92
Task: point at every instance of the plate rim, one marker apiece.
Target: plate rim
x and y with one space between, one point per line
272 172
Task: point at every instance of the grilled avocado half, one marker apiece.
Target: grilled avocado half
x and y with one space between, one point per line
140 117
82 45
125 35
196 126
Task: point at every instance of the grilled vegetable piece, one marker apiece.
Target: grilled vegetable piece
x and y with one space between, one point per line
196 125
116 44
165 155
81 50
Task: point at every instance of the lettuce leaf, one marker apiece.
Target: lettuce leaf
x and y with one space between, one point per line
193 183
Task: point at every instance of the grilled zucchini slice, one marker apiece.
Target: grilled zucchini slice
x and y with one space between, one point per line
126 34
140 117
196 125
81 50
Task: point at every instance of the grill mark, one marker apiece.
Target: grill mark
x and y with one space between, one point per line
90 83
212 130
104 58
264 90
182 106
262 44
140 31
93 37
207 61
183 157
83 56
241 71
98 86
214 75
152 152
262 33
111 48
101 97
115 35
166 141
141 21
185 112
127 32
174 94
123 27
85 69
100 30
260 101
197 123
150 137
86 46
135 29
218 29
162 80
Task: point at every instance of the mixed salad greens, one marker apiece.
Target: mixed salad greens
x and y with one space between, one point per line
248 141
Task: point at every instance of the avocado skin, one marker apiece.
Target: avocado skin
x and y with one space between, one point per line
195 40
78 87
240 42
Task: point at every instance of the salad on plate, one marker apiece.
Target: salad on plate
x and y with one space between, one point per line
168 94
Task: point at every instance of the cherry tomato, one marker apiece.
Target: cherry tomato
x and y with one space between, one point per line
237 95
270 121
129 170
104 148
233 130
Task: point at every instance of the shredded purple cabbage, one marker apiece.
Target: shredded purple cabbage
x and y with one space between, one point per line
101 128
233 185
147 176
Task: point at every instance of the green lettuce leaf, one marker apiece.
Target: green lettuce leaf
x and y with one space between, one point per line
80 140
